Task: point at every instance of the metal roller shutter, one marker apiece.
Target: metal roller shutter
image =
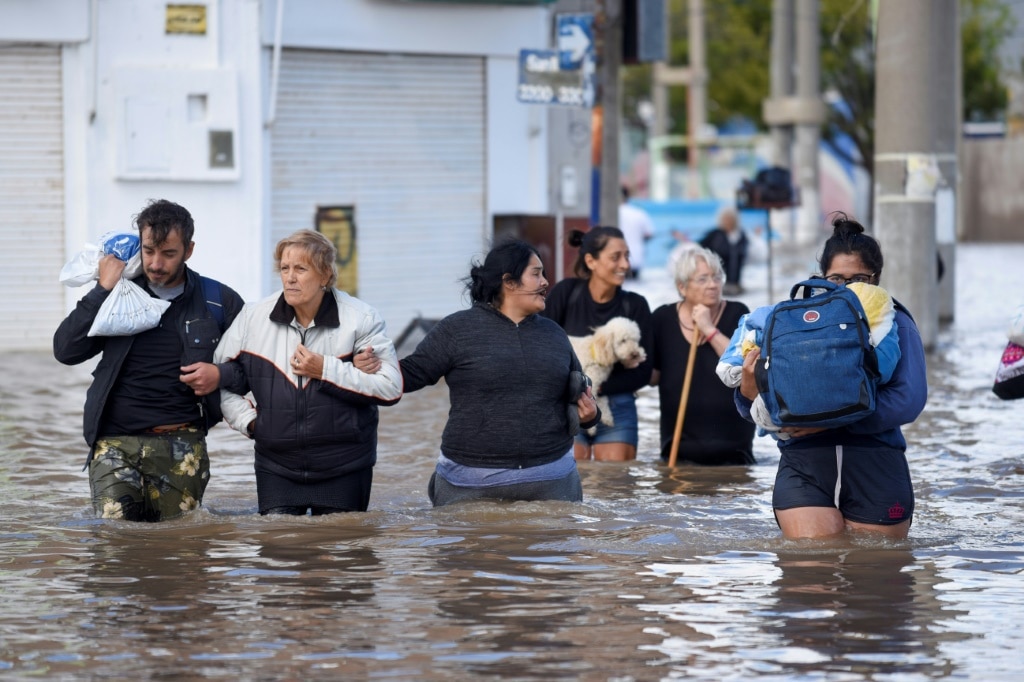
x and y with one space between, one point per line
400 137
31 196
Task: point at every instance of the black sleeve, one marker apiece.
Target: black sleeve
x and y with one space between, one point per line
71 342
233 377
431 360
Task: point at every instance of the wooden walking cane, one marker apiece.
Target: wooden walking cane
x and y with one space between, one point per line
684 397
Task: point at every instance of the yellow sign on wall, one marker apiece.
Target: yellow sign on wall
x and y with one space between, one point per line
338 223
186 19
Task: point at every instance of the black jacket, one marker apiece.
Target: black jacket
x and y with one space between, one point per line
507 385
72 345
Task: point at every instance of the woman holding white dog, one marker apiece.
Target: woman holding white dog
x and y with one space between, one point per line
510 376
713 432
588 301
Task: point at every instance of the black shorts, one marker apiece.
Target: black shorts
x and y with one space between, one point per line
866 484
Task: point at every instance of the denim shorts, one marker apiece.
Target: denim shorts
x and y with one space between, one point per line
625 430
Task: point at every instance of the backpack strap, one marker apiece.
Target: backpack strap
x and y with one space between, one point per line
809 285
211 290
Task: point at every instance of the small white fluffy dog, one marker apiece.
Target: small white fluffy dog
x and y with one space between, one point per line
618 340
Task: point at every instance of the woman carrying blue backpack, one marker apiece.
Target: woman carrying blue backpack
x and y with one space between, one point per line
854 477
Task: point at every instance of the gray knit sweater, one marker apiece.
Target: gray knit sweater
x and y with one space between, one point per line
506 382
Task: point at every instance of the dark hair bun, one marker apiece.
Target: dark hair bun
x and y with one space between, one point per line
843 225
576 237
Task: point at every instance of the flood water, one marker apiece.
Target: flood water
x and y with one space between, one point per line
657 575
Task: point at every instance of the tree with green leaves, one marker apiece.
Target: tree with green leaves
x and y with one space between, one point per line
738 49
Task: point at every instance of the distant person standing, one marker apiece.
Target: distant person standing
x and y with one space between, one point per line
637 227
730 243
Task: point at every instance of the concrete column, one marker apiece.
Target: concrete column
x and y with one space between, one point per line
808 134
608 44
696 101
947 91
782 78
905 126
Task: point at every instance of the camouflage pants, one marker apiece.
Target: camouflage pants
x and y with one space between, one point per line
152 477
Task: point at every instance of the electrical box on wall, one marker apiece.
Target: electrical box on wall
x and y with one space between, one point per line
176 124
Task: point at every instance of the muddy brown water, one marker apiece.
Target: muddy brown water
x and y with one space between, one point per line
656 575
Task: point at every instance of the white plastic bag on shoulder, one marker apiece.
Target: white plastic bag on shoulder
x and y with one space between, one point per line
128 310
85 266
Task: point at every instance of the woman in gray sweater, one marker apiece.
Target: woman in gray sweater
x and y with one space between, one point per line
515 400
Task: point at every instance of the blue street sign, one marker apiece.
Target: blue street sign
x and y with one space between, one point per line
575 39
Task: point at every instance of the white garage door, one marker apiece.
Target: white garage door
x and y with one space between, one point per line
31 196
400 138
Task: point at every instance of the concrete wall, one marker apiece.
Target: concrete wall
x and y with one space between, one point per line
130 97
117 160
993 189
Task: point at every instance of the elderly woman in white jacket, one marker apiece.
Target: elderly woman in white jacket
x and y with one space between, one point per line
314 413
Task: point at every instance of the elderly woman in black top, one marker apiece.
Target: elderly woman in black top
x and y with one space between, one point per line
712 431
509 375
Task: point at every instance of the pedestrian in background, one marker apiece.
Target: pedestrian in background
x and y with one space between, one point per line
855 477
713 432
638 229
318 363
153 396
509 373
730 243
582 303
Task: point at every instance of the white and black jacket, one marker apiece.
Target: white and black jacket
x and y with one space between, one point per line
308 429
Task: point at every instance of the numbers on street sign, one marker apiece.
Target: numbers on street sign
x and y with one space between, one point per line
541 81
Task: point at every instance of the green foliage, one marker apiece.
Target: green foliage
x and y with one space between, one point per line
738 48
985 24
848 74
737 43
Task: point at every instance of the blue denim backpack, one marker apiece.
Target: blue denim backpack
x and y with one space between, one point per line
817 366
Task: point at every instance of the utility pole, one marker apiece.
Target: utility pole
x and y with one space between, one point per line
795 110
908 151
696 100
808 129
694 78
782 78
948 110
605 120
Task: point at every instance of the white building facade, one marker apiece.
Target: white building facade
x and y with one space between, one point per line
260 116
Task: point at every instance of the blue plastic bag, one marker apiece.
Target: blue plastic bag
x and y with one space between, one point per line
84 267
124 245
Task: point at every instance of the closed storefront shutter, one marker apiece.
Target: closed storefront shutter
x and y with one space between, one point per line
31 196
401 139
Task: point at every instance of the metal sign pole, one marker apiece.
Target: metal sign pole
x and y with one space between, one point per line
768 238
